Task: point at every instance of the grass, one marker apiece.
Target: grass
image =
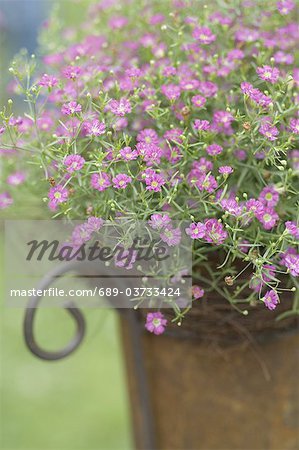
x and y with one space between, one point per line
77 403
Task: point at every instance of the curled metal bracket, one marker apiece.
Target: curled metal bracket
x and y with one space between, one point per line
31 310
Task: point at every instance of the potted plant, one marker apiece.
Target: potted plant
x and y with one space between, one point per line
181 110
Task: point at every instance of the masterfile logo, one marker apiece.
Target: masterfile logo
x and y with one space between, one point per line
119 263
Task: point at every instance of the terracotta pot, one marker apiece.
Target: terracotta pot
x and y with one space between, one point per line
222 383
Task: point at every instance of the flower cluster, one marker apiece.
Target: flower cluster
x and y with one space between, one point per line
168 112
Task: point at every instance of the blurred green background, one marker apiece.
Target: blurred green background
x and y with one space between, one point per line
80 402
77 403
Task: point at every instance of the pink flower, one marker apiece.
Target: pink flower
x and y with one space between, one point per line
169 71
292 228
268 73
253 205
172 236
235 54
204 35
58 194
269 196
296 76
271 299
100 181
94 128
25 125
120 123
291 261
206 183
71 72
197 292
255 95
151 153
269 131
5 200
231 206
285 6
73 163
117 22
220 18
261 99
48 81
15 121
81 234
223 119
159 221
94 223
45 123
128 154
121 181
196 230
120 107
194 177
203 165
198 101
154 182
214 149
267 216
171 91
208 88
244 34
283 58
155 323
16 178
202 125
53 59
225 170
133 72
126 258
148 136
189 84
215 233
174 135
294 126
173 154
71 108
